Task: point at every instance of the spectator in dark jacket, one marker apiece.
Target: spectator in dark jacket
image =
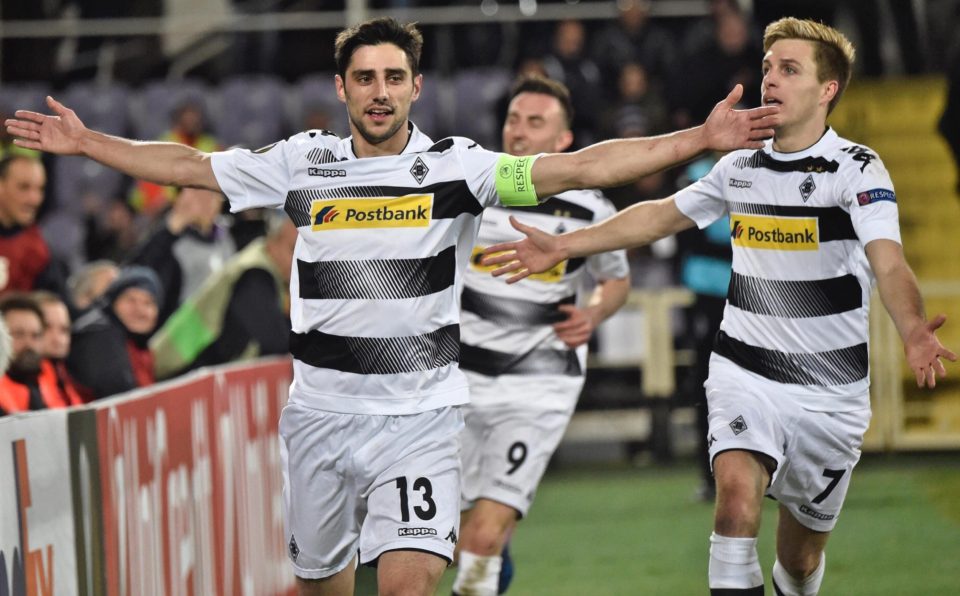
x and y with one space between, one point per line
109 354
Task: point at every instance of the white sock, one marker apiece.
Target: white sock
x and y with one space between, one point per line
789 586
734 563
477 576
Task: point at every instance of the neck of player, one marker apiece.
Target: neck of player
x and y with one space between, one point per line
790 138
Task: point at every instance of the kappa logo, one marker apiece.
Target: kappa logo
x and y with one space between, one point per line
738 425
816 514
711 440
740 183
419 170
861 154
410 211
294 549
416 532
452 536
326 173
774 233
807 187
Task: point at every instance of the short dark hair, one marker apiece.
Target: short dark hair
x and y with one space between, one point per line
21 301
539 84
375 32
9 159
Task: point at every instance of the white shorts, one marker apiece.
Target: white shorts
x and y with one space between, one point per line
354 482
506 450
815 452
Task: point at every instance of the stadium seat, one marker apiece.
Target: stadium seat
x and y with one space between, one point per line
23 96
317 92
101 107
476 93
151 106
251 113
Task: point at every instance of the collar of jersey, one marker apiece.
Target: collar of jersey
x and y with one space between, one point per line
416 142
816 149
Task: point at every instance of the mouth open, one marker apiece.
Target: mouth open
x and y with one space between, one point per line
379 114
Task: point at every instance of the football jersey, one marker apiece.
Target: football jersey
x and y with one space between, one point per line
377 269
506 330
797 305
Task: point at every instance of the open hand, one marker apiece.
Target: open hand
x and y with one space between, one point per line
727 129
536 253
924 352
60 134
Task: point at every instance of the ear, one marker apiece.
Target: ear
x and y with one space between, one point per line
830 90
341 90
417 86
563 141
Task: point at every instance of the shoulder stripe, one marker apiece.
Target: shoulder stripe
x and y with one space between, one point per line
558 208
441 146
512 311
797 299
378 355
834 222
835 367
759 159
377 279
541 362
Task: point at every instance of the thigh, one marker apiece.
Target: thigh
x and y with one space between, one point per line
409 572
413 501
821 454
322 512
473 440
516 449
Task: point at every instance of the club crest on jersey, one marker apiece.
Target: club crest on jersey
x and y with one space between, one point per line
774 233
419 170
410 211
807 187
553 275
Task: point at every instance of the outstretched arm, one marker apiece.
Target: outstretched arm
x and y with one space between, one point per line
637 225
901 297
618 162
64 134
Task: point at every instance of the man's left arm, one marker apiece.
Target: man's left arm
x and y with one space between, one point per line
901 297
607 298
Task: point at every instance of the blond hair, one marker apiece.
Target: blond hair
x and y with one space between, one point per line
833 53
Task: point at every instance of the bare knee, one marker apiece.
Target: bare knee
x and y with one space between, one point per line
741 481
486 528
800 565
409 573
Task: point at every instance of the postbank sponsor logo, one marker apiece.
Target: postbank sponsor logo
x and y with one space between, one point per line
410 211
774 233
552 275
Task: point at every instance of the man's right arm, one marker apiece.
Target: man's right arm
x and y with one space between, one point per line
64 134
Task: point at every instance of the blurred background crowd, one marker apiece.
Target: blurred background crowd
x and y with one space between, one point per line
108 284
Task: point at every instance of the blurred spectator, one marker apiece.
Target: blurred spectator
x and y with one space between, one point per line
714 69
89 283
109 353
111 231
25 261
5 347
56 343
634 38
568 64
189 246
27 384
701 34
639 110
189 127
215 325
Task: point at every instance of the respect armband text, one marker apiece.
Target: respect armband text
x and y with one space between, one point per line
514 182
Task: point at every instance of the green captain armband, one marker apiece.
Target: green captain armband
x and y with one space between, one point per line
514 182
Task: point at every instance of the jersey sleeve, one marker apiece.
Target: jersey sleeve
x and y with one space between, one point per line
479 171
869 197
703 201
607 265
259 178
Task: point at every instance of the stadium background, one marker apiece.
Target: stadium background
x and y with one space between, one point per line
616 514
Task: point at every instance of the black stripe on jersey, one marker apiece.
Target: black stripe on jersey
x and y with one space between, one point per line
511 311
559 208
450 199
574 264
834 223
378 355
320 156
808 164
377 279
441 146
797 299
536 362
835 367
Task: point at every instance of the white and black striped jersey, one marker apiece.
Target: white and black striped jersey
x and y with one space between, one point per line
377 273
506 330
797 306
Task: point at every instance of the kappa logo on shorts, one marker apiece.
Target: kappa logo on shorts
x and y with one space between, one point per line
738 425
416 532
815 514
294 549
452 536
711 440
